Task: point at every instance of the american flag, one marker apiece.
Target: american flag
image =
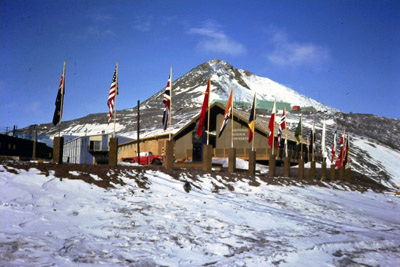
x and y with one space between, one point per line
167 103
112 94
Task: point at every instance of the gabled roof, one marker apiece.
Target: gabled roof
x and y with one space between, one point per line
261 124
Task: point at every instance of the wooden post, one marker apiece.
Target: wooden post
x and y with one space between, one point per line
348 175
333 173
113 152
301 168
286 167
311 171
272 164
58 147
323 170
232 159
252 162
207 157
169 154
341 174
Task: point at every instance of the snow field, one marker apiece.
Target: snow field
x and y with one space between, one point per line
68 222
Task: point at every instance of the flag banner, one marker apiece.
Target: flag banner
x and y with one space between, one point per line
347 151
167 103
310 141
59 100
282 126
323 146
339 161
228 113
286 147
165 117
111 96
279 139
204 110
282 122
333 151
297 133
271 126
252 119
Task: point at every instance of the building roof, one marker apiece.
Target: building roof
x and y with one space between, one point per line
261 124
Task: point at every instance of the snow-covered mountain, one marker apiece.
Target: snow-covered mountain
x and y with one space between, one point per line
374 137
188 90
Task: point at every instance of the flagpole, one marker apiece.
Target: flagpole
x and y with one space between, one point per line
273 130
301 135
232 120
284 110
348 150
254 118
62 99
286 149
170 104
116 93
208 111
313 138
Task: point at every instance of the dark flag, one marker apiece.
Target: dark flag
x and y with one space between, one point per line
252 119
347 151
60 99
167 103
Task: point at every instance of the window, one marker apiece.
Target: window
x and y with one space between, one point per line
95 145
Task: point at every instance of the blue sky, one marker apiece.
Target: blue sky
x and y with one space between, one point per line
345 54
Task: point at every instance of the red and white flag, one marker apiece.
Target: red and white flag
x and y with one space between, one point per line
282 126
271 126
113 93
167 103
339 161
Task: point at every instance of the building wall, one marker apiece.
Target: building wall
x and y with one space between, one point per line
155 145
13 146
240 136
182 144
76 151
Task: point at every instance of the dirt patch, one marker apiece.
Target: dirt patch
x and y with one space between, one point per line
106 176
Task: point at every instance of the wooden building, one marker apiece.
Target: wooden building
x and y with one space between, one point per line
188 146
154 144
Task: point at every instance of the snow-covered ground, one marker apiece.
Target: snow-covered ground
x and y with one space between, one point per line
51 221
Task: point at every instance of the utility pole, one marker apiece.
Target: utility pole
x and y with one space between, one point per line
34 142
138 131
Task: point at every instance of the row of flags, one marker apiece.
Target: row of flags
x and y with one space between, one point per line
343 157
111 102
341 160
